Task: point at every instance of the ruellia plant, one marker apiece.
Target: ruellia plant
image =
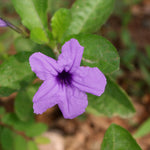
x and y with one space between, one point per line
75 67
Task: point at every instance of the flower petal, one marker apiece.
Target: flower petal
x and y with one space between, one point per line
90 80
71 55
46 96
43 65
3 23
73 103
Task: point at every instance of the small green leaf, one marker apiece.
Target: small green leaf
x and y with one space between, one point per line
60 23
128 56
36 129
11 141
6 139
38 35
34 15
125 37
145 72
15 73
117 138
24 104
98 52
2 110
148 51
113 97
32 146
19 143
30 128
42 140
143 129
89 15
24 44
12 120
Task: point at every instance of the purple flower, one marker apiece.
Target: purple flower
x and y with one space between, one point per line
3 23
65 81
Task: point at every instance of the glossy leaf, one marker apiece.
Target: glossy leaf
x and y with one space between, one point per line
98 52
143 129
89 15
60 23
117 138
114 101
15 73
34 16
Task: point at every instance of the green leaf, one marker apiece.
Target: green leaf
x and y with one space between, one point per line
113 97
32 146
128 56
12 120
89 15
19 143
23 44
2 110
34 16
38 35
32 12
1 130
15 73
36 129
30 128
60 23
11 141
42 140
126 38
148 51
54 5
145 73
24 104
6 139
117 138
98 52
143 129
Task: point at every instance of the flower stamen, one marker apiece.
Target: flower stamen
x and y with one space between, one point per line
64 78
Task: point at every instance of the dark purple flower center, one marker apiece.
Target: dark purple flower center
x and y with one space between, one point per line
64 78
